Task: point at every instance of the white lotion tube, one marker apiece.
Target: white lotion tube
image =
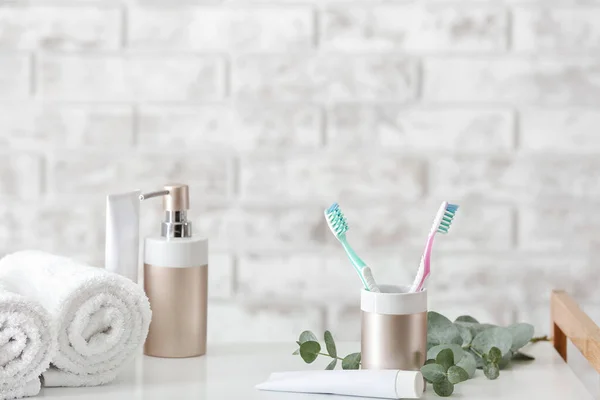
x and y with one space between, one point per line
386 384
123 234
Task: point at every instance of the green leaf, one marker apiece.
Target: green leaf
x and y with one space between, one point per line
466 318
295 353
491 370
494 355
309 351
457 375
332 364
435 350
433 373
465 334
440 330
505 360
351 361
468 363
498 337
475 327
478 360
330 344
521 335
445 358
307 336
430 361
518 356
443 388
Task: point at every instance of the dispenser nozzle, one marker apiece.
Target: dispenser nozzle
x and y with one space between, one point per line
176 202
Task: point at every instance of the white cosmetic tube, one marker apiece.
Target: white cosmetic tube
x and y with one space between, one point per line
386 384
123 234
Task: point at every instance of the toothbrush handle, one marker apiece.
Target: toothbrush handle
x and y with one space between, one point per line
424 266
368 280
364 272
356 260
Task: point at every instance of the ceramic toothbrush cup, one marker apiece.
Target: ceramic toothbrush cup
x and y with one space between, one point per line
393 328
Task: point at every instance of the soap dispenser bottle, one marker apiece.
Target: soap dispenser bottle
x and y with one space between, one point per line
176 280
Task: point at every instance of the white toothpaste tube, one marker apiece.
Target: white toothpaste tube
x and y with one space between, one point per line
386 384
123 234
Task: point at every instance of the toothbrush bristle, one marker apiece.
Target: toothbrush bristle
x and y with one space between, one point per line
447 218
336 220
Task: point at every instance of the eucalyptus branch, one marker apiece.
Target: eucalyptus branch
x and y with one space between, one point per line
544 338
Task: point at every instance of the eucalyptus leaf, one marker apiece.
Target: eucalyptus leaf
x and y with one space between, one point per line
457 374
309 351
445 358
505 360
518 356
443 388
498 337
478 360
465 334
330 344
430 361
468 363
307 336
435 350
494 355
433 373
475 327
351 361
491 371
521 335
466 318
332 364
440 330
295 353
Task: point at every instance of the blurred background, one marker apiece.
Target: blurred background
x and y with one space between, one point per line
272 110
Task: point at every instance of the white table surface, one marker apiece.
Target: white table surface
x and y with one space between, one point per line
230 372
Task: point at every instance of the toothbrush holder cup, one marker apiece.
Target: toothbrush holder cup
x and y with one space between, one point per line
393 328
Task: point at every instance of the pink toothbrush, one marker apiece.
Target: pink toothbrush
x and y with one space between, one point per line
441 224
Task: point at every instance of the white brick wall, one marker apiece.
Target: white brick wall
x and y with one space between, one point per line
273 109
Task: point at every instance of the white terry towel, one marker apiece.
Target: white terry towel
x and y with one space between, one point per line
27 343
102 318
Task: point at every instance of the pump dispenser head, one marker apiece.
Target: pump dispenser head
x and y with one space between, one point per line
176 202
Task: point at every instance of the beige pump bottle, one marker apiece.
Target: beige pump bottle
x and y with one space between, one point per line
176 281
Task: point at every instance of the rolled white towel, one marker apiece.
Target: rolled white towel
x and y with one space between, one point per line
102 318
27 343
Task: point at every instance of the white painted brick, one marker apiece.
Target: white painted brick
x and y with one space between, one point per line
220 273
552 227
210 28
516 279
244 127
131 77
393 27
447 129
326 77
15 75
330 176
316 277
253 323
558 28
538 314
74 230
392 226
98 173
560 129
515 179
64 28
105 126
492 311
20 174
517 80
